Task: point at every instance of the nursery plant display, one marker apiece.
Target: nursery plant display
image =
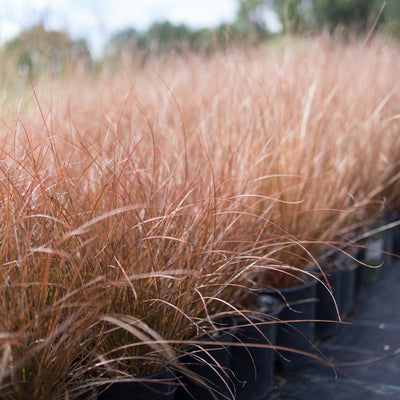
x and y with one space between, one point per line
142 206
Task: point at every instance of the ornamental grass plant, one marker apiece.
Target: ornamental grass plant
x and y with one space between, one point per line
141 204
102 265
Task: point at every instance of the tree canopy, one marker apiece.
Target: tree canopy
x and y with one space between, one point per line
38 49
300 15
43 49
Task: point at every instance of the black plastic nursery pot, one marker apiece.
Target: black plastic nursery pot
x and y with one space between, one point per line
253 367
388 247
336 295
373 257
396 237
298 333
392 237
347 287
209 362
396 243
159 386
362 269
380 249
328 304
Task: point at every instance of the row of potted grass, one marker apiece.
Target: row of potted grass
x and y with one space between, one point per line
298 318
140 210
238 360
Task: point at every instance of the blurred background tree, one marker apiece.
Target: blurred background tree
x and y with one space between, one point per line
391 17
43 49
127 39
164 37
37 50
356 14
250 19
297 16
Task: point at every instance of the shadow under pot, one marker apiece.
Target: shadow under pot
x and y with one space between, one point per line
253 365
296 331
159 386
208 366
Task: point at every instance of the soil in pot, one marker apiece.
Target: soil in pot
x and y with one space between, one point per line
253 367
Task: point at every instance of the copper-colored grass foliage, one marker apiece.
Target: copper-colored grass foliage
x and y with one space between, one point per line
141 203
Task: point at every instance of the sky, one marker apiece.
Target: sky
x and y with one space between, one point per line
96 20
